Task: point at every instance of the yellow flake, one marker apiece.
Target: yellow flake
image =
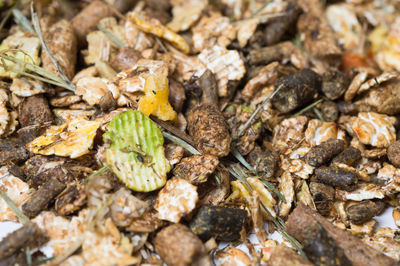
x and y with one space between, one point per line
22 46
153 26
155 100
72 139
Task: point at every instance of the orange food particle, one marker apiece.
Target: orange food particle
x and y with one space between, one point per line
155 101
352 60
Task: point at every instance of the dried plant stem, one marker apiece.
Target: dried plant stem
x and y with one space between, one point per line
98 172
21 216
47 76
240 175
318 113
255 113
5 18
180 142
22 21
36 25
305 109
111 36
241 159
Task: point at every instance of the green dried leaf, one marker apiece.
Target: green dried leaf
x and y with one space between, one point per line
136 153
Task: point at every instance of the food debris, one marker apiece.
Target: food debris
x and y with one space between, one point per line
176 199
155 100
222 223
22 46
134 138
154 26
374 129
72 139
195 132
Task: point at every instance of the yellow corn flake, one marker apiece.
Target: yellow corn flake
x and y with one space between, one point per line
28 48
377 37
265 196
240 189
155 101
72 139
153 26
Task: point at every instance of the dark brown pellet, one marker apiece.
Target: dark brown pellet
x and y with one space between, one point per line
206 123
323 196
324 152
222 223
334 84
350 156
364 211
18 239
42 197
297 90
393 153
336 177
12 151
